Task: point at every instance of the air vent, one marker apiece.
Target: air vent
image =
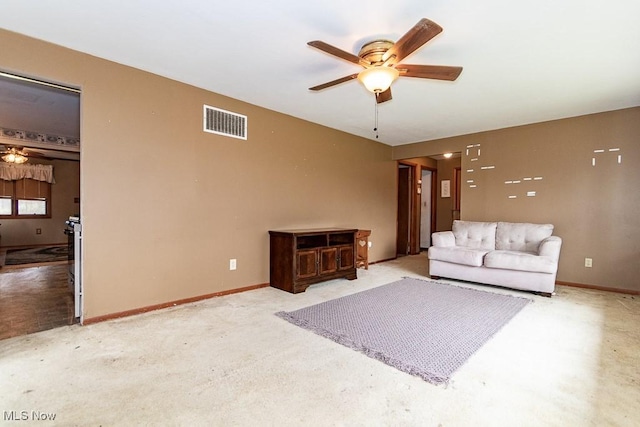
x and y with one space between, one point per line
226 123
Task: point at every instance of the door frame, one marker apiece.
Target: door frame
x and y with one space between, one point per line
405 222
46 83
414 206
456 191
434 199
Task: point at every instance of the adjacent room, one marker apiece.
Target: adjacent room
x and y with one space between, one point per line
319 214
40 171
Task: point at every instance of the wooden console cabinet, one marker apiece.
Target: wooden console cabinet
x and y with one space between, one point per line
300 258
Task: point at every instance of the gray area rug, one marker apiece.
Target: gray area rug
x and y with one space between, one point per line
424 328
37 255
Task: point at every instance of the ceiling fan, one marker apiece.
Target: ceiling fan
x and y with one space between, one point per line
14 155
17 155
20 154
381 58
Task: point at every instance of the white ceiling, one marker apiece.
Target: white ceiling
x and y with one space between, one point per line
524 62
30 106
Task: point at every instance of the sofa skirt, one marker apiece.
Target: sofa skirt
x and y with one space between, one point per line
523 280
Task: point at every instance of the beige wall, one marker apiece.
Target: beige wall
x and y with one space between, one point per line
18 232
165 206
594 208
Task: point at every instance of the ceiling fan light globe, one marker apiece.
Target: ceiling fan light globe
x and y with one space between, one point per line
378 79
14 158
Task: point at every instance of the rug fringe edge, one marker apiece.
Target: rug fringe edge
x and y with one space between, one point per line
374 354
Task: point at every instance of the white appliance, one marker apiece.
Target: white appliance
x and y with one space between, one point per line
74 233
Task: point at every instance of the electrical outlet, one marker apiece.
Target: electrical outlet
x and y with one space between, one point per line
232 264
38 230
588 262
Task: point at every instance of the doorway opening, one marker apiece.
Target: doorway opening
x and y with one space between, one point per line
40 120
416 206
423 206
448 188
427 205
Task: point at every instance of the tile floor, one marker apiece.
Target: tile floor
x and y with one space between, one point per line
34 299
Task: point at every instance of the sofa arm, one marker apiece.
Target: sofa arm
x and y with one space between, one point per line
443 238
550 247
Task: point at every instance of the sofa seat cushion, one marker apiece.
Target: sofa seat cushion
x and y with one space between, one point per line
521 261
458 255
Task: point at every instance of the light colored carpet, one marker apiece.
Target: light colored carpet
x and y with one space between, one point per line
570 360
424 328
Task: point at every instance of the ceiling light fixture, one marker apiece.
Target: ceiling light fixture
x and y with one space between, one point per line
378 79
14 156
448 155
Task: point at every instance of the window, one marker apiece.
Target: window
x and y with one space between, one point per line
25 198
32 207
5 206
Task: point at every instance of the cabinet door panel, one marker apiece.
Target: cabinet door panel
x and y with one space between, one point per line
347 258
306 264
328 260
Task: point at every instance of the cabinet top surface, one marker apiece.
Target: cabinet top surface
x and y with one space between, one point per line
315 231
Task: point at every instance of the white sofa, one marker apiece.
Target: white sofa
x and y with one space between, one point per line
514 255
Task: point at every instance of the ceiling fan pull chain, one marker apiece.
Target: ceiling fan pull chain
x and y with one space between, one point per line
375 129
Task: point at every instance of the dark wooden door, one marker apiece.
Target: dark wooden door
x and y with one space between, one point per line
404 209
457 186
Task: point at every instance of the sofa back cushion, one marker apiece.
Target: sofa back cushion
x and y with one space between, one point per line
521 236
476 235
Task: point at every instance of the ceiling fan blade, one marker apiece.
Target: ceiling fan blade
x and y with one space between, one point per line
383 96
30 153
334 82
421 33
332 50
437 72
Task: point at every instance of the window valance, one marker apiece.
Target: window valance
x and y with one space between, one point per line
12 172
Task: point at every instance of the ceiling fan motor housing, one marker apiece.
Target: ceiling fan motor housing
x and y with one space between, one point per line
374 50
